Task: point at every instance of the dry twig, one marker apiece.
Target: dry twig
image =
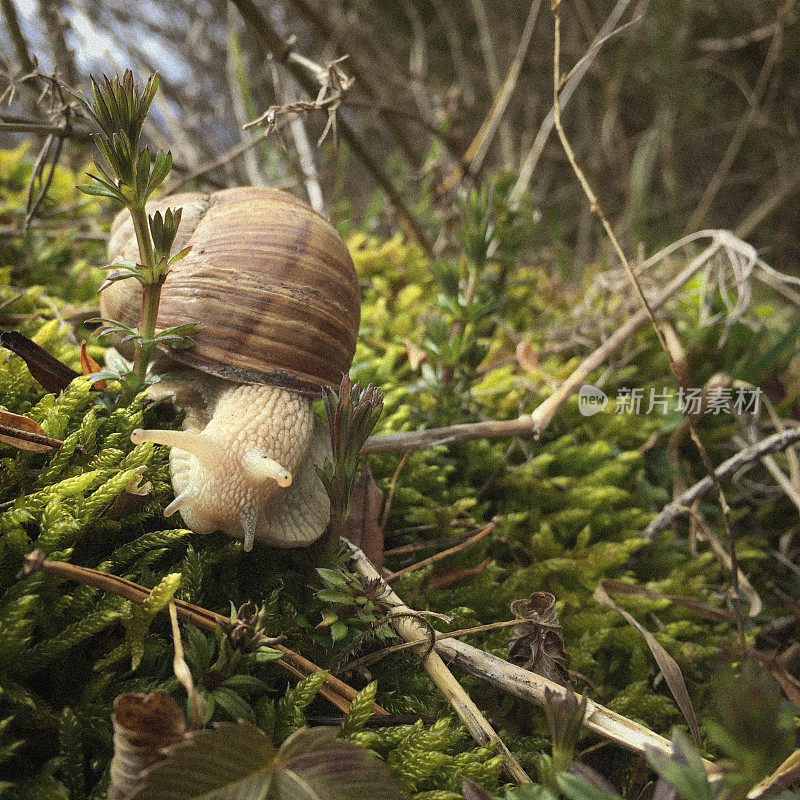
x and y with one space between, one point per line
406 623
518 681
772 444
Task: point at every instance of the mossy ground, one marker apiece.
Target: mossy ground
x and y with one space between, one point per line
572 509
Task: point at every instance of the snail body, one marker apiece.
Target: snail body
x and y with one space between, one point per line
274 294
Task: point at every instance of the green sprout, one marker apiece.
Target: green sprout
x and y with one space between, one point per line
129 177
352 413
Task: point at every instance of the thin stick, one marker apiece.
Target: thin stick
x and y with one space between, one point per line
532 687
772 444
411 630
745 122
521 682
536 423
387 506
396 648
535 152
281 51
459 548
479 146
492 74
336 691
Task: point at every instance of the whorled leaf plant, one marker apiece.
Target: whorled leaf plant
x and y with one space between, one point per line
129 177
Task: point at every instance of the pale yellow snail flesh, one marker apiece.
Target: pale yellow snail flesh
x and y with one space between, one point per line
244 463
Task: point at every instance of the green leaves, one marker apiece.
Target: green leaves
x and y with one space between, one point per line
352 413
238 761
120 108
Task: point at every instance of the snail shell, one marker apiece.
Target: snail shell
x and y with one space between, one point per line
274 293
268 282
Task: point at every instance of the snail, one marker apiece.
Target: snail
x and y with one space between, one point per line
274 293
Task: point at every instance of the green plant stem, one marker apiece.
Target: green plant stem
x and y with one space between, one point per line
151 293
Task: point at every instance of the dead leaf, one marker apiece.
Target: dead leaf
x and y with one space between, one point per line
538 641
90 366
527 357
143 726
25 434
364 521
416 355
701 609
666 663
48 370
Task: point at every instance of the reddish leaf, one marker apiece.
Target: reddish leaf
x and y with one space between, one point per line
49 371
538 641
90 366
364 522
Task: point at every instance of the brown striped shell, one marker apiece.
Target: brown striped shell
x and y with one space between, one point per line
268 282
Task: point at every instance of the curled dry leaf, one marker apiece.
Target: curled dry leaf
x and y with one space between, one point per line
666 663
143 726
90 366
538 641
25 434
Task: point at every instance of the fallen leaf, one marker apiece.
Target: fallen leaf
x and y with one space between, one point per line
25 434
416 355
527 357
90 366
666 663
538 641
48 370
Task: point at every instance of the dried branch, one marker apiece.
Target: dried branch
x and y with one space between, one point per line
535 152
480 145
492 74
281 51
335 690
596 209
772 444
521 682
459 548
745 122
406 622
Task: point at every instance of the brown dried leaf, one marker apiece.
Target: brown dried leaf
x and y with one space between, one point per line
90 366
46 369
527 357
701 609
25 434
666 663
143 726
364 522
538 641
416 355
